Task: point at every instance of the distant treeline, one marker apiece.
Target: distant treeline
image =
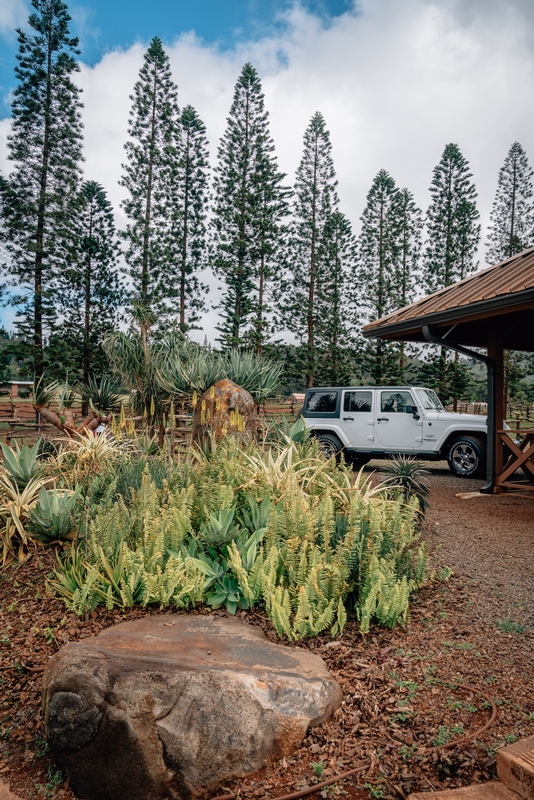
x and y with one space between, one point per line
285 255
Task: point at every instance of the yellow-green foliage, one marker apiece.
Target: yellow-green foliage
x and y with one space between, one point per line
329 542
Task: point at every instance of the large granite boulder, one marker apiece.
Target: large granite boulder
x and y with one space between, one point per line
171 706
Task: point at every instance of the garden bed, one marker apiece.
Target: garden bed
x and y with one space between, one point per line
398 697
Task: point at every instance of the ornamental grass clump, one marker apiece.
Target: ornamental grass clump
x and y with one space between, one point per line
279 527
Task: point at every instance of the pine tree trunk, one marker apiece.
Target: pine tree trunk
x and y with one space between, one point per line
310 367
259 318
41 209
148 210
185 234
87 314
512 220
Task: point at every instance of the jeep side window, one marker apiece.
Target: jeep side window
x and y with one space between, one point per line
322 402
395 402
357 401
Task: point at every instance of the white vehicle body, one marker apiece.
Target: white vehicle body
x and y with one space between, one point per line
379 421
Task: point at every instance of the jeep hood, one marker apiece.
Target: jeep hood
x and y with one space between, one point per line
454 416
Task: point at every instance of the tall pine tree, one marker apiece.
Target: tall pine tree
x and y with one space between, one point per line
511 228
452 222
338 321
152 130
183 217
315 201
408 226
91 292
46 147
378 269
453 237
247 211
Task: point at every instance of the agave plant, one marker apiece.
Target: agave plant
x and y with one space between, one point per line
407 475
51 519
22 463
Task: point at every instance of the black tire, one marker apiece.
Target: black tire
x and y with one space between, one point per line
467 457
330 445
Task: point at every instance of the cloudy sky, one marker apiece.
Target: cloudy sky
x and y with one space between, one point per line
395 79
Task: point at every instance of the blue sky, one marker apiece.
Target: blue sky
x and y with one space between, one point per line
396 80
103 25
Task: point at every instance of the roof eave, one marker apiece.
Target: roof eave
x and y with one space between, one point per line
481 309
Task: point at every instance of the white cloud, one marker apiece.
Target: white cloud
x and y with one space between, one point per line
12 14
396 82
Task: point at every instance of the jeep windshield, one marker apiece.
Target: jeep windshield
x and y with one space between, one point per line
429 400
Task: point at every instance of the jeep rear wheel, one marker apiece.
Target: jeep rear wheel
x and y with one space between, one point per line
330 445
467 457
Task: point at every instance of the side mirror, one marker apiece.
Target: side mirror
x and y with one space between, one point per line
413 411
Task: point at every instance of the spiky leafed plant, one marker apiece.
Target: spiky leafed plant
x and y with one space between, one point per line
103 395
409 476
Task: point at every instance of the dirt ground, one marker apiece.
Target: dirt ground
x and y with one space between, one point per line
401 699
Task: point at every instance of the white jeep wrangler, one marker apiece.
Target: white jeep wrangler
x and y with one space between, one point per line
367 422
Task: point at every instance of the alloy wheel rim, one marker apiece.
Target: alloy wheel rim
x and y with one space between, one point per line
465 459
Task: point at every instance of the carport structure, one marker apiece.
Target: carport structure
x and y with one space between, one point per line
493 310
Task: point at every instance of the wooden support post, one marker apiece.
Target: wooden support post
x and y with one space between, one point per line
495 352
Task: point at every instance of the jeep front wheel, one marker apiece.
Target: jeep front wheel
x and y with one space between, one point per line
467 457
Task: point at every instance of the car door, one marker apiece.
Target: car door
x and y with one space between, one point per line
357 418
397 430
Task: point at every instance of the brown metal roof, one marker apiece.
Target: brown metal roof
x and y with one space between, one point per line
506 287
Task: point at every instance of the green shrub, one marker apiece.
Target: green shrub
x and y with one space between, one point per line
282 527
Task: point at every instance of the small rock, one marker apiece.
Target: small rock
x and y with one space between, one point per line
6 793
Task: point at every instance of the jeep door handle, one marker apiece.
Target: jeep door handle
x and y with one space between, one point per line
382 419
348 419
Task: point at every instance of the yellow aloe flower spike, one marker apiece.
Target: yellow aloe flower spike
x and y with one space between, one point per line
194 400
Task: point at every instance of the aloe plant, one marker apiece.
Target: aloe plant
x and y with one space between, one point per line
220 528
227 592
51 518
22 463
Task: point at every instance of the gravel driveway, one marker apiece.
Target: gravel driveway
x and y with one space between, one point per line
488 541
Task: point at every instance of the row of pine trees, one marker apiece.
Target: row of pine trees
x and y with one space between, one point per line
286 256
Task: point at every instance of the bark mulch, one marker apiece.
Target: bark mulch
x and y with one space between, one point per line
400 694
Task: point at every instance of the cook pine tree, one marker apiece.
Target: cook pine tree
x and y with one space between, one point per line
511 231
453 232
337 322
91 291
408 227
246 216
152 132
511 228
182 218
315 200
45 146
378 270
